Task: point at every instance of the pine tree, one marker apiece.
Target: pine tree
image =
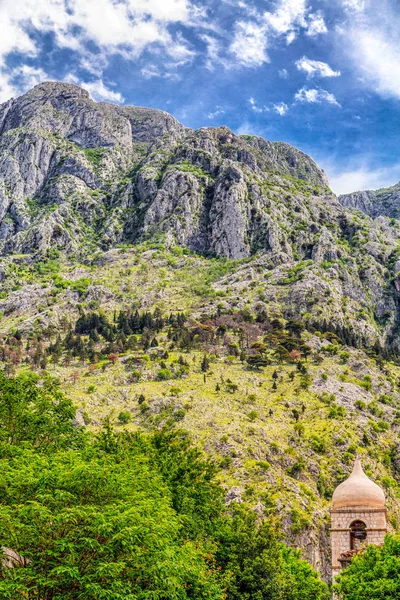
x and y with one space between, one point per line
205 364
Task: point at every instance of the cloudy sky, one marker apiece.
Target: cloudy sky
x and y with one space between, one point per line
323 75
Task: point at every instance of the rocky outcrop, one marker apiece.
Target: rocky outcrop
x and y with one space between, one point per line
73 171
382 202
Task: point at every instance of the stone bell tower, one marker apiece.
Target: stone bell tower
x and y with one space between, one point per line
359 517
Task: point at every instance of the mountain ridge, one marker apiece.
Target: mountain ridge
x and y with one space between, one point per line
56 133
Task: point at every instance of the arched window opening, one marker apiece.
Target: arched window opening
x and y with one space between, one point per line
358 534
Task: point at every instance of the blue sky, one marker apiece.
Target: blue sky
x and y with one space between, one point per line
323 75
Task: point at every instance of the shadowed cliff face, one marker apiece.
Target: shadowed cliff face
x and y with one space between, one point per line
81 177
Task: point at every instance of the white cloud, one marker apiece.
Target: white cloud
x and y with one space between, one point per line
291 36
7 89
18 80
250 44
371 40
288 15
281 108
254 106
316 25
246 128
315 67
253 37
314 96
150 72
127 27
283 73
361 178
377 56
214 52
97 89
216 113
354 5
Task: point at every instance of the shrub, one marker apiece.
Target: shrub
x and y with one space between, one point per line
318 444
179 414
252 415
263 464
164 375
124 417
360 404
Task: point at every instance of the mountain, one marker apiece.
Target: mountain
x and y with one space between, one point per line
207 281
79 176
382 202
76 173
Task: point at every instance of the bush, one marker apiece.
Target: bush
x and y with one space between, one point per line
252 415
318 444
124 417
360 404
179 414
263 464
164 375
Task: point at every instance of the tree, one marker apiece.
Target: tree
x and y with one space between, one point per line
113 358
300 581
124 417
374 574
40 416
263 568
102 529
295 355
205 364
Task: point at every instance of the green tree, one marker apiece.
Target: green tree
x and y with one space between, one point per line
374 574
35 412
97 529
205 364
262 568
300 581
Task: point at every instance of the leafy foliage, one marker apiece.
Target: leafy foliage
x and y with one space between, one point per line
39 415
125 516
374 574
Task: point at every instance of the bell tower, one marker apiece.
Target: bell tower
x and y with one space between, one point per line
358 517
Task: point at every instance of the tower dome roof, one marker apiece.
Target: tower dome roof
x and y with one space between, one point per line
358 490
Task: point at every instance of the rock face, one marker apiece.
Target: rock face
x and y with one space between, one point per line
74 172
383 202
80 177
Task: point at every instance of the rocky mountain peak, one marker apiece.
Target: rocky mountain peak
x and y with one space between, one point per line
132 172
78 177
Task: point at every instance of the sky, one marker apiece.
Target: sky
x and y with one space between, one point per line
323 75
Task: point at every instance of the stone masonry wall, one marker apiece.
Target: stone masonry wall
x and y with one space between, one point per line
374 519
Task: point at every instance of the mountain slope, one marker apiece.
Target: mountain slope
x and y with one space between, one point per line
77 177
204 280
375 203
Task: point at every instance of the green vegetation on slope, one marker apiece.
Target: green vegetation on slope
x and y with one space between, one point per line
280 407
125 516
